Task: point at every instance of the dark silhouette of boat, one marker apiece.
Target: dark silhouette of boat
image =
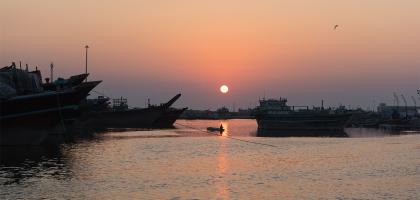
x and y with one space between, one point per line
27 113
61 83
168 118
276 119
46 100
122 117
216 129
101 103
28 119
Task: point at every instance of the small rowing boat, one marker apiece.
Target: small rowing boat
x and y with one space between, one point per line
214 129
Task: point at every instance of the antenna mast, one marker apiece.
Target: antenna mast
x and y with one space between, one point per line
52 71
86 66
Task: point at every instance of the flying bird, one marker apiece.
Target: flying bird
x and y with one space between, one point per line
336 26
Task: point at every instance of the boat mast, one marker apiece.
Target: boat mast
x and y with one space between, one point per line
86 66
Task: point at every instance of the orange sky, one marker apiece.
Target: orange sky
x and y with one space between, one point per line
285 48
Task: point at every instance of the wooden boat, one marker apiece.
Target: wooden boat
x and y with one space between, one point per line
215 129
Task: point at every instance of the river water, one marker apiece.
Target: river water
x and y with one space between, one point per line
187 163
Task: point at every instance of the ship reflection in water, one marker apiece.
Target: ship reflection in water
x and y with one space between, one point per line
198 165
20 164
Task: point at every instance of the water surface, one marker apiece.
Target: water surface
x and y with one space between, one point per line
187 163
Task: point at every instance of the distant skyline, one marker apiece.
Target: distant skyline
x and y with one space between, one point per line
273 48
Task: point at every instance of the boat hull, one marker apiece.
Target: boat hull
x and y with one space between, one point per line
168 118
30 119
46 100
135 118
301 125
30 128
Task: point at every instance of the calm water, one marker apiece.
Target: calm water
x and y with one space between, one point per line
189 164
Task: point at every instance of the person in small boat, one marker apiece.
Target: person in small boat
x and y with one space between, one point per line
221 129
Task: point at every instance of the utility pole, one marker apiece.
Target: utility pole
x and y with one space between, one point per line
86 70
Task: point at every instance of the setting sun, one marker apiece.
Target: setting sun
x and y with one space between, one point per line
224 89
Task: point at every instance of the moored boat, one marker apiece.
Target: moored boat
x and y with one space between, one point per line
276 119
28 113
61 83
123 117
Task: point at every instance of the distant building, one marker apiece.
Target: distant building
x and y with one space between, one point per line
245 112
221 113
386 111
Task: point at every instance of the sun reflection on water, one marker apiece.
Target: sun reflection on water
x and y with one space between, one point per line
222 169
225 125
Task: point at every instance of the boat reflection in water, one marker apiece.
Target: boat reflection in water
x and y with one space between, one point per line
21 163
202 165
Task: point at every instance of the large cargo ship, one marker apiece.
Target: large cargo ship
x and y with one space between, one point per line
276 119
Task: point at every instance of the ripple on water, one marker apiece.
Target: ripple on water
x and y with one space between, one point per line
171 164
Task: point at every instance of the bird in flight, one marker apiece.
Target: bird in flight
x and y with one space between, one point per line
336 26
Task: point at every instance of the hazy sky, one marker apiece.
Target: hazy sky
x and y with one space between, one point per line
286 48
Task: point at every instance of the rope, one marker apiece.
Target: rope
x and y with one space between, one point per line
229 137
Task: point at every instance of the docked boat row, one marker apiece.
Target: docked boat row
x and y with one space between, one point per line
277 119
393 120
32 112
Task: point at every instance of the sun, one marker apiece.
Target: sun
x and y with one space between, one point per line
224 89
